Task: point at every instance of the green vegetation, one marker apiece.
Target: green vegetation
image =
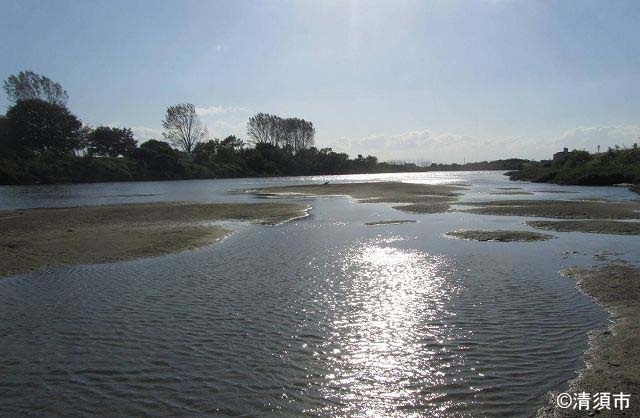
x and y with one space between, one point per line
508 164
106 141
34 127
617 165
42 141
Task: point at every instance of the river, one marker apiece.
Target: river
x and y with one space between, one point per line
322 316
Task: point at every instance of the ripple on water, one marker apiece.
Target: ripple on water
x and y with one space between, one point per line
324 316
384 341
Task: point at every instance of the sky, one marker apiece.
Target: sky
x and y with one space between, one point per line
441 81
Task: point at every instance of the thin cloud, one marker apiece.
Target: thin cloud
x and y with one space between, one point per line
219 48
143 133
589 137
219 110
224 120
425 145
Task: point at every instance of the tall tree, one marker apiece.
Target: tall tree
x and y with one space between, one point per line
159 160
299 133
28 85
40 126
183 127
106 141
294 133
263 128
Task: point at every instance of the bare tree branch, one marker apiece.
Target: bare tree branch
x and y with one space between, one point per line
295 133
29 85
183 127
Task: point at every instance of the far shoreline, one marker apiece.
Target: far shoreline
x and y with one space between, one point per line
115 181
634 188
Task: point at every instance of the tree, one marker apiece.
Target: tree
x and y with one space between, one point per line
183 127
216 151
299 133
105 141
4 128
159 160
232 142
370 163
229 149
5 144
28 85
40 126
294 133
206 151
263 128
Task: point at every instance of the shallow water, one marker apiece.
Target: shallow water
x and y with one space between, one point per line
320 316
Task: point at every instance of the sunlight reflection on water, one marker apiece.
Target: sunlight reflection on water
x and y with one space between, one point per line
387 330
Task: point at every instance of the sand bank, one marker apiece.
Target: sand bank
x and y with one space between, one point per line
414 198
500 235
390 222
613 358
425 208
511 193
570 209
37 238
592 226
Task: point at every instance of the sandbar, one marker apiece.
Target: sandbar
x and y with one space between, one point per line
35 238
390 222
568 209
613 359
592 226
500 235
413 198
515 192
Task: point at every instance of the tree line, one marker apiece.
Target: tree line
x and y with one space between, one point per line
42 141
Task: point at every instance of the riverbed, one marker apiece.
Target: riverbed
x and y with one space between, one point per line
323 315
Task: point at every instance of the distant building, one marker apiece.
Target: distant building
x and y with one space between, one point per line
561 154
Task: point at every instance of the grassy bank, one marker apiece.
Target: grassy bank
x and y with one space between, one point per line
582 168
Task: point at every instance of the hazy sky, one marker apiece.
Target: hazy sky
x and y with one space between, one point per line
435 80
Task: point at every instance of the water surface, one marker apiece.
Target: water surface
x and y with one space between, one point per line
322 316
